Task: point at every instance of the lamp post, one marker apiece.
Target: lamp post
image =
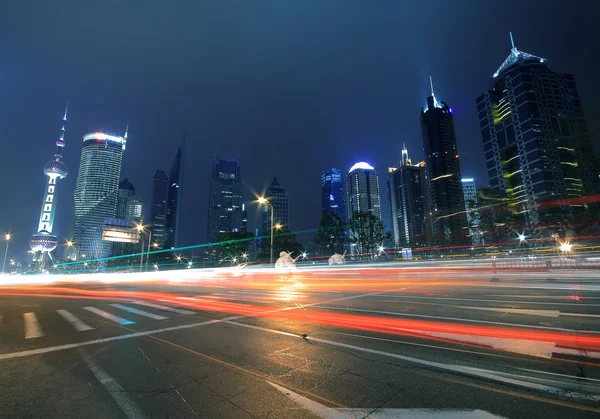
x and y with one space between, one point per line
7 237
140 229
264 201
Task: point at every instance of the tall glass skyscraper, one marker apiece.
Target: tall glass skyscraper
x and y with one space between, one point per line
409 203
333 199
129 208
96 192
534 135
44 242
225 199
362 190
472 208
174 197
278 197
160 188
443 173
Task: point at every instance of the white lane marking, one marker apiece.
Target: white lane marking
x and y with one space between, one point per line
75 321
508 378
119 395
481 300
32 326
109 316
425 316
325 412
140 312
541 313
172 309
111 339
579 314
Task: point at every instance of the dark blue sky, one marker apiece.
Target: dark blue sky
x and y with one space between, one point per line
291 87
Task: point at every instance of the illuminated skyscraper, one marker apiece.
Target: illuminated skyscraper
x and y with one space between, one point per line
44 242
129 208
409 203
332 193
471 206
160 188
534 135
278 197
225 199
362 190
174 197
442 168
96 192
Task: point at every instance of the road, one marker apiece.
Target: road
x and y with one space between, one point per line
325 343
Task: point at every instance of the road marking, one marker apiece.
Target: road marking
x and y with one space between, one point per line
506 378
325 412
541 313
118 393
109 316
77 323
481 300
174 310
104 340
425 316
32 326
140 312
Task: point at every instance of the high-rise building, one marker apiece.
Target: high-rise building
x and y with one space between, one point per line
278 198
160 188
471 206
244 218
44 242
129 208
332 193
409 203
442 168
534 135
362 190
174 197
96 193
225 199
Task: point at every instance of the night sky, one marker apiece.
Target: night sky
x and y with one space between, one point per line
290 87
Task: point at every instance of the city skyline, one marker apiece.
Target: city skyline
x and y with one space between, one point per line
374 139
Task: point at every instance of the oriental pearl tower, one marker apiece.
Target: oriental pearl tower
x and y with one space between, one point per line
44 241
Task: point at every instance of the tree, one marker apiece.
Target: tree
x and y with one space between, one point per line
331 233
366 231
233 244
283 240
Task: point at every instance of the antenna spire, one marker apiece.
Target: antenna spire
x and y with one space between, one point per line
66 109
512 41
126 130
431 83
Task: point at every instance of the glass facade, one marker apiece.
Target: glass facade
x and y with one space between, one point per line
333 199
160 187
225 199
362 190
278 197
174 196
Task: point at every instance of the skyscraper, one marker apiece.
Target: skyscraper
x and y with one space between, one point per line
129 208
160 188
332 193
471 201
534 135
244 218
362 190
44 241
443 173
278 198
409 203
225 199
96 192
174 197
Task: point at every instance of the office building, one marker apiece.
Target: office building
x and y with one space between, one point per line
225 199
129 213
158 211
442 168
174 197
244 218
362 190
471 206
535 138
96 193
278 198
333 199
43 242
409 203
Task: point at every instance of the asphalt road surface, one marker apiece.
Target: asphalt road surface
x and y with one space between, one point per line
351 343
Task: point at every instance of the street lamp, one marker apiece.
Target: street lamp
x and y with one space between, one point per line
566 247
264 201
141 229
70 243
7 237
522 238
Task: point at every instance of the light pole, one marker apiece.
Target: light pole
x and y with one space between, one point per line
7 237
140 229
148 248
265 201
